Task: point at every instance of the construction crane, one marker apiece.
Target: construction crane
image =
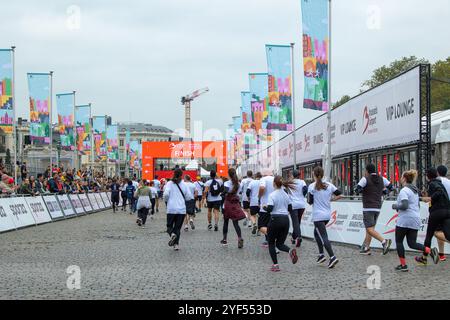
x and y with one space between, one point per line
186 101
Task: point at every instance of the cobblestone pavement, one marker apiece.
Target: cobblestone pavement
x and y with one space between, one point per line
118 260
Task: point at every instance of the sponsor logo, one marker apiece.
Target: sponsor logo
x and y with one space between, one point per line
348 127
307 142
400 110
333 219
291 148
392 219
369 119
318 138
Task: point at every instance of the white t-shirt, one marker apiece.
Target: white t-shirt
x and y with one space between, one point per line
135 184
267 183
244 185
446 183
175 200
280 201
191 191
199 186
363 182
157 184
321 209
229 184
154 192
409 218
211 198
254 193
296 195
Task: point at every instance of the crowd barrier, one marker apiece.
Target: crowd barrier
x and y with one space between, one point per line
19 212
346 224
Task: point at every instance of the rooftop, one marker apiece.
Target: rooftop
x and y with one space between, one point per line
141 127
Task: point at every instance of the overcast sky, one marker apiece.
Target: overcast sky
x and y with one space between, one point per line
134 59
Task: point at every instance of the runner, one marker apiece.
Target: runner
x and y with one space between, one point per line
442 173
153 197
123 194
265 188
408 222
191 195
200 187
142 194
130 189
279 206
115 197
439 219
174 195
320 195
252 193
213 189
136 186
245 200
297 196
232 208
157 185
372 186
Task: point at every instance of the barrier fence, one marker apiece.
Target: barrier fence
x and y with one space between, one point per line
19 212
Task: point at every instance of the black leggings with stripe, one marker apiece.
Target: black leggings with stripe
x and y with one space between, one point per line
321 236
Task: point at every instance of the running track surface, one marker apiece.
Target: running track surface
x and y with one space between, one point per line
118 260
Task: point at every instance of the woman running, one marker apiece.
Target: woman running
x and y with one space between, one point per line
408 222
297 196
153 198
123 194
232 207
320 195
142 194
174 195
279 206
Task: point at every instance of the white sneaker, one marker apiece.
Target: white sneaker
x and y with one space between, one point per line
176 247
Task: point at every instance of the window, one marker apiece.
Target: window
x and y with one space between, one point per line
121 142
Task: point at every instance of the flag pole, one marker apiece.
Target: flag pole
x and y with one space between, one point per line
14 135
293 104
106 144
74 154
328 157
50 111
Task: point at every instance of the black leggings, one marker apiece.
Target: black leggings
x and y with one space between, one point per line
236 227
321 236
411 239
296 217
438 220
174 224
115 200
124 200
277 231
142 214
153 201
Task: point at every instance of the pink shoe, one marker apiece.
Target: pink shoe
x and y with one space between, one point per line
275 268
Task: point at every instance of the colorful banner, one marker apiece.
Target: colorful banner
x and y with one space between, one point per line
237 123
127 144
65 105
135 154
112 143
83 129
315 54
6 88
280 87
246 110
40 107
99 128
258 84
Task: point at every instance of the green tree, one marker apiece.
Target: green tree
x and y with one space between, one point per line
341 101
440 85
385 73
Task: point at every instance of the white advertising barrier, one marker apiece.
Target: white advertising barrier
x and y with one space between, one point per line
20 212
93 201
286 151
108 196
6 216
85 202
346 224
66 205
38 209
100 202
310 140
76 203
53 206
105 198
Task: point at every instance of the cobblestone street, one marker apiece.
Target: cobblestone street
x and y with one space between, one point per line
118 260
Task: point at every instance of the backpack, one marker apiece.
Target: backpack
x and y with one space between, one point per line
215 189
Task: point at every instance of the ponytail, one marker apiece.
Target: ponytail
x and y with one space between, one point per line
234 179
288 185
318 174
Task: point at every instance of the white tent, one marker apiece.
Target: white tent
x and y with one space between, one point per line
193 165
204 173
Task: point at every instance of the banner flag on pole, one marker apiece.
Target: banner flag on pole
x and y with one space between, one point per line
6 87
237 123
135 154
113 143
40 108
246 110
83 129
258 84
99 127
280 87
127 144
315 17
65 106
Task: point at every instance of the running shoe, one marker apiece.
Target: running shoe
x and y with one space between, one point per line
265 244
298 242
240 243
321 259
172 240
275 268
245 222
139 222
192 225
224 242
216 227
365 250
250 225
186 228
157 210
434 254
402 268
386 245
209 226
255 229
277 251
293 256
176 247
421 261
442 258
292 241
333 261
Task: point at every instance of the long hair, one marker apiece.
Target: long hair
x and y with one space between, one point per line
177 175
318 174
234 179
279 182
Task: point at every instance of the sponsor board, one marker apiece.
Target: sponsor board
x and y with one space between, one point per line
85 202
93 201
99 199
105 198
6 216
66 205
20 212
38 209
76 203
54 209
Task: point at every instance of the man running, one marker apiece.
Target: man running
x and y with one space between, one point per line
372 187
245 200
115 194
442 175
265 188
190 197
252 194
200 187
157 186
213 189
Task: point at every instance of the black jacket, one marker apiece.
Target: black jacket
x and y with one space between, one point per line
439 196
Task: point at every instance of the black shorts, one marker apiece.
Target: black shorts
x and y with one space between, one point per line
214 204
370 218
254 210
199 198
263 220
246 204
190 207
